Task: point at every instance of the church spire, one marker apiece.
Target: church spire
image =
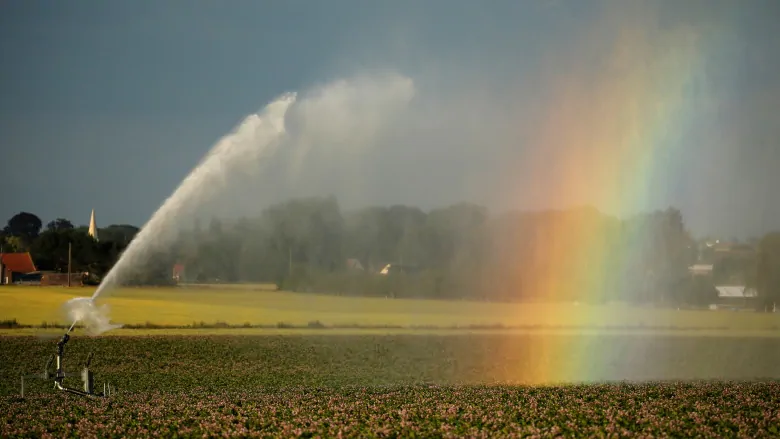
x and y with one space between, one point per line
93 232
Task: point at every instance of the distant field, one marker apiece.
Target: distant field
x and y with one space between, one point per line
257 305
242 286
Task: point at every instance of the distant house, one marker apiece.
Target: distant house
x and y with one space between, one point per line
701 269
14 265
354 264
735 296
178 272
740 291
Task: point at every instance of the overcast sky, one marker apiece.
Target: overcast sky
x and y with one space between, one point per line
109 105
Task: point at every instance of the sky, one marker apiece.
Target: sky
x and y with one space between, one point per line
621 104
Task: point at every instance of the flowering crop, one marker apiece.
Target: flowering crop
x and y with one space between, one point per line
612 410
361 386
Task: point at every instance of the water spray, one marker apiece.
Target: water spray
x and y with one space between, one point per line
254 140
230 152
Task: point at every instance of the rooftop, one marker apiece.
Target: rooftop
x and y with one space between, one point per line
18 262
735 291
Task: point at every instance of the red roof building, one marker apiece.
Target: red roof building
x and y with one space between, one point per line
178 272
19 263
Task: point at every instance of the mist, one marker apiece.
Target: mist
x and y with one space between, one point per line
616 124
632 115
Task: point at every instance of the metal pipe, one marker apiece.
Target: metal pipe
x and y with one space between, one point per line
88 380
46 373
59 376
73 391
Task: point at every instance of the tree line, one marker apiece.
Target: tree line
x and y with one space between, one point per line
460 251
49 245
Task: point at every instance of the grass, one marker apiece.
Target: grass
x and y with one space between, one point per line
258 306
400 386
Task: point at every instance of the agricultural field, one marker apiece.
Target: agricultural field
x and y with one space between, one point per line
377 367
400 386
261 307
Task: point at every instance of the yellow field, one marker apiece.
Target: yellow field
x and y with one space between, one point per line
259 306
716 333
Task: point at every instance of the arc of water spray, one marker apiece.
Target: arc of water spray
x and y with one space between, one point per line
255 138
253 141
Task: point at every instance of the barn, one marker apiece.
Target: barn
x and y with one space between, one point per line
14 265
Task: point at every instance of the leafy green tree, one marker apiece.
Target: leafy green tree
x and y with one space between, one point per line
457 251
700 291
733 270
50 251
119 233
59 224
13 244
25 226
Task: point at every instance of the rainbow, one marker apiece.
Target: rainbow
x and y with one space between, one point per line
608 139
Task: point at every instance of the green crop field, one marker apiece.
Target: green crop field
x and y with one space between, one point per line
258 306
400 386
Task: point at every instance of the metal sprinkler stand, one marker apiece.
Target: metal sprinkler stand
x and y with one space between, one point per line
59 375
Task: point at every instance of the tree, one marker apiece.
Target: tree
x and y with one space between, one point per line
216 253
700 291
733 270
119 233
381 235
107 253
50 251
457 251
26 226
59 224
13 244
768 271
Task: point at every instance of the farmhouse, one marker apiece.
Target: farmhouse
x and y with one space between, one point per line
14 265
734 296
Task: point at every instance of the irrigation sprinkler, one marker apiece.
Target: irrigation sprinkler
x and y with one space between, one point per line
59 374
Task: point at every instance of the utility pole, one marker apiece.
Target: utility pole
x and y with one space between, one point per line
69 259
289 260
